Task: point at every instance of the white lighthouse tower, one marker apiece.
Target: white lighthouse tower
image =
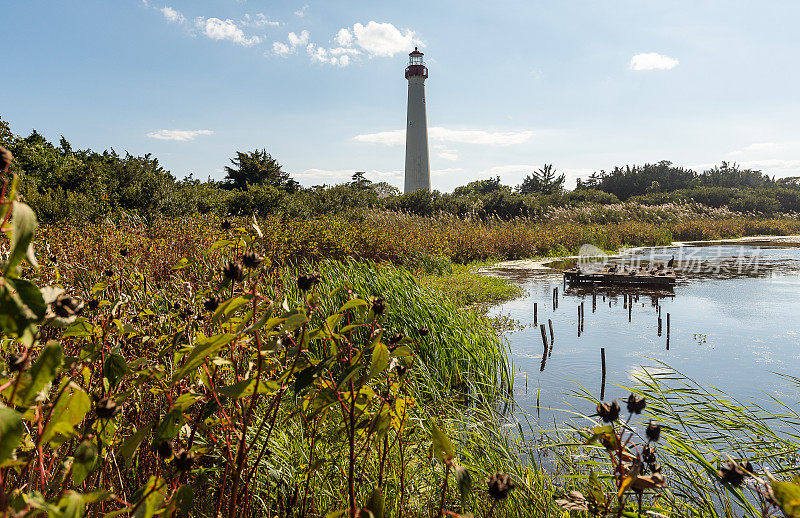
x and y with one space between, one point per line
418 172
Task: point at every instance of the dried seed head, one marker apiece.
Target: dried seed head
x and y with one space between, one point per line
5 158
184 460
395 338
734 474
252 260
93 304
608 412
226 225
165 450
108 273
16 362
423 331
378 305
636 404
398 366
123 252
233 271
211 304
499 485
307 281
107 408
653 431
65 306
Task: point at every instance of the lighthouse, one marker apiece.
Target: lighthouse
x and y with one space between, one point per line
418 172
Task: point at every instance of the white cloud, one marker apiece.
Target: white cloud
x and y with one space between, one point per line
172 15
344 38
379 39
179 135
652 61
259 20
758 147
282 49
328 56
296 40
217 29
448 154
436 133
302 11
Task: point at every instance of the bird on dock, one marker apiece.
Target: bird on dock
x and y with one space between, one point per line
612 269
671 262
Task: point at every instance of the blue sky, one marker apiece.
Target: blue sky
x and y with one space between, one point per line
585 85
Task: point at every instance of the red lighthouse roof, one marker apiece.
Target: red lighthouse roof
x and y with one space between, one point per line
416 52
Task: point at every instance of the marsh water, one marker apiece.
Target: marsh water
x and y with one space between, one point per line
734 323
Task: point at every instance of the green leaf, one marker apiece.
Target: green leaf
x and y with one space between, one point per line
247 387
114 368
31 297
183 499
170 425
83 461
79 329
11 429
153 496
203 348
23 226
442 447
73 404
131 444
71 505
375 503
41 373
464 482
294 321
402 351
788 496
352 303
380 360
225 310
183 263
185 401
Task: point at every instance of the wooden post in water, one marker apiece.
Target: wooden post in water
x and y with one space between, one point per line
667 331
659 325
583 315
603 365
544 337
594 300
535 311
630 311
579 320
552 338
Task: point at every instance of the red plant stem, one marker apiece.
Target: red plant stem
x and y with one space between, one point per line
444 488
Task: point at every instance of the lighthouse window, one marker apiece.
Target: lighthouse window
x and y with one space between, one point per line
409 123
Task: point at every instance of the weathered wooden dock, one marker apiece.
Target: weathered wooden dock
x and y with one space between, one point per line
619 275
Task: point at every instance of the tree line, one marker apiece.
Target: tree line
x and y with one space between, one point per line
62 183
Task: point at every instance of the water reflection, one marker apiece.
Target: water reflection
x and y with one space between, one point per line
723 325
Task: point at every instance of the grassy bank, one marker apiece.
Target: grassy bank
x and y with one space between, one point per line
179 371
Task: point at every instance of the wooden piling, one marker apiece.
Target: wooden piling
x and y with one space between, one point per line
552 338
667 331
544 337
535 311
603 366
594 301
